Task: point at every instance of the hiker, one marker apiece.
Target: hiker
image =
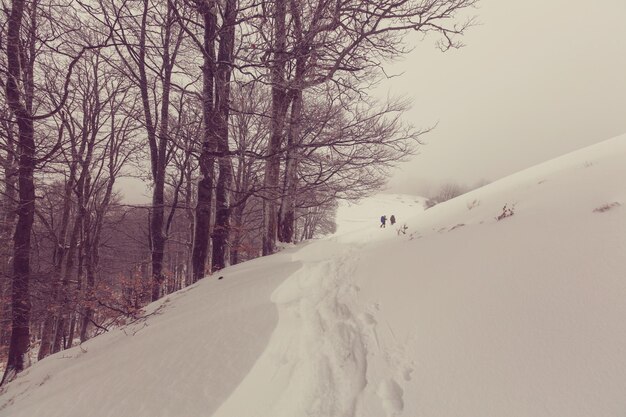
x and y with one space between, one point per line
383 219
392 219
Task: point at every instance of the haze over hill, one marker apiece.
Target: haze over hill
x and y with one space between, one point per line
505 301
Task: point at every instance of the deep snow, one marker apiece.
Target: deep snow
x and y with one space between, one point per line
463 315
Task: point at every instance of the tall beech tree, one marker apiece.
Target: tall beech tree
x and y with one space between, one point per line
148 41
219 27
280 104
225 61
19 88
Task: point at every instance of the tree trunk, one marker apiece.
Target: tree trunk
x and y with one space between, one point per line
158 239
221 231
20 332
158 199
91 235
89 246
287 214
82 190
66 293
205 185
190 219
288 202
92 231
47 333
279 109
237 217
6 231
158 145
70 333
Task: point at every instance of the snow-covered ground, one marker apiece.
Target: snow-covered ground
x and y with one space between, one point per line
464 315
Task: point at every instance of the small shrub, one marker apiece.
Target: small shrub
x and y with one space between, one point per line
456 226
606 207
449 191
506 212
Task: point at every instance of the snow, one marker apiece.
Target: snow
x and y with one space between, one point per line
463 315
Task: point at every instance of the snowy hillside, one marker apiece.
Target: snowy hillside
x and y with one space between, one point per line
464 315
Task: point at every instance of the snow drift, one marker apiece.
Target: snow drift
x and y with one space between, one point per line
508 300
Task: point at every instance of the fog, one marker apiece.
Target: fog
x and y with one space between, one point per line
536 79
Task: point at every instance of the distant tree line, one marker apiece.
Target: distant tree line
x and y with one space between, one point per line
249 119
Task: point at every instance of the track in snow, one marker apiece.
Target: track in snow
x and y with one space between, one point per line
316 364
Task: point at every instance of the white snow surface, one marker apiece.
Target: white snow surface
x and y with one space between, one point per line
463 315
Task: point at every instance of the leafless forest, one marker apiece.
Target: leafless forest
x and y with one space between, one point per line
248 119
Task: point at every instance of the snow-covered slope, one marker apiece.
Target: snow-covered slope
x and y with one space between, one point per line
464 315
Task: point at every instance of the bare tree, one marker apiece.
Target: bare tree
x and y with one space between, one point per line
8 199
218 35
19 87
148 43
338 43
250 129
225 59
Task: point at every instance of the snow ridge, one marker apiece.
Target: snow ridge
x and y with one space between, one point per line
317 363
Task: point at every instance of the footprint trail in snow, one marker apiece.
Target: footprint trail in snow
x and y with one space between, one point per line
316 363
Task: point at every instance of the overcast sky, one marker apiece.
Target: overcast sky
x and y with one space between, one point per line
537 79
